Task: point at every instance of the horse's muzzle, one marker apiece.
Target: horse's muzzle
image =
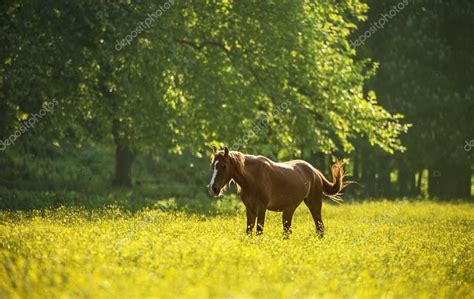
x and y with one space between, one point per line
213 190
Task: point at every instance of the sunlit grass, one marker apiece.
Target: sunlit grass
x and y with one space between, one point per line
389 249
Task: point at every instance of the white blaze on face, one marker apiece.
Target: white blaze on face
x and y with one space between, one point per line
214 174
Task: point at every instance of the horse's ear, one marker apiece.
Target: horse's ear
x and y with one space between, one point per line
214 149
226 151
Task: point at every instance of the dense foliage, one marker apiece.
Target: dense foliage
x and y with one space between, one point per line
181 75
426 68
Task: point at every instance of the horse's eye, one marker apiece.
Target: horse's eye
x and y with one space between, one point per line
223 166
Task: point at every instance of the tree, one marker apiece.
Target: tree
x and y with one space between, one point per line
425 59
197 70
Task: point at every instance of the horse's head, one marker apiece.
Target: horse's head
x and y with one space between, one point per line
222 171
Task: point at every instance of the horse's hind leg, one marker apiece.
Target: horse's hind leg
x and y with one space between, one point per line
314 205
260 219
287 218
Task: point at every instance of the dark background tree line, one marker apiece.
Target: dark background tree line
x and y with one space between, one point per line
205 72
426 73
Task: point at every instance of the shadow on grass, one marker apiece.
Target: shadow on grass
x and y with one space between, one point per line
130 200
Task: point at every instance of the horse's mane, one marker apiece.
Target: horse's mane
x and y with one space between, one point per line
238 162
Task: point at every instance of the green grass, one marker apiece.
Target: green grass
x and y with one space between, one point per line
372 249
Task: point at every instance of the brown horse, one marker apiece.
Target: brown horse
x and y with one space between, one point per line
267 185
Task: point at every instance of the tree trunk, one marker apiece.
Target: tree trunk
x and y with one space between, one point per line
419 182
123 167
450 180
123 159
406 179
383 181
368 175
356 171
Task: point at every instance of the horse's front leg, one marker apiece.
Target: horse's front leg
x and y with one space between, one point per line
251 217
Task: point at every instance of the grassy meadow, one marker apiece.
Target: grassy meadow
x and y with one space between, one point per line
389 249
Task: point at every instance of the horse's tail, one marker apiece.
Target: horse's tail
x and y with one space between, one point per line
332 190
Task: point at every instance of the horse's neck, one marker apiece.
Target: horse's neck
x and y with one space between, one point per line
244 177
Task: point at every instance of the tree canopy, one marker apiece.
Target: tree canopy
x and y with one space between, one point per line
182 75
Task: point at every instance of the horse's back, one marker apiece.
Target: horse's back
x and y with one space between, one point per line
298 166
291 167
294 172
